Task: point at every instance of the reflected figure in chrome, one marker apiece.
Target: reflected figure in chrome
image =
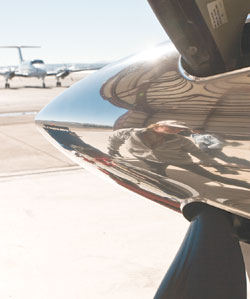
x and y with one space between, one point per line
213 146
160 145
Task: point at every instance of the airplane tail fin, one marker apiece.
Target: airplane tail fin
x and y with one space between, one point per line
19 50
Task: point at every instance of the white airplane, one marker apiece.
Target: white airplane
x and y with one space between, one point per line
37 69
26 68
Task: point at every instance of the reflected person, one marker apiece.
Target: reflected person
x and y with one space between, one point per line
160 145
213 146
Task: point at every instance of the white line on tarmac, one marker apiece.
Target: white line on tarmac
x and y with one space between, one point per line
7 176
5 114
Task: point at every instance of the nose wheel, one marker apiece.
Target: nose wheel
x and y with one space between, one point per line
44 85
7 85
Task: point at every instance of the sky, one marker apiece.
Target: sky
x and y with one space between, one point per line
77 30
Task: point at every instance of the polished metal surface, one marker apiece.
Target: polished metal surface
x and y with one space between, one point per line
199 153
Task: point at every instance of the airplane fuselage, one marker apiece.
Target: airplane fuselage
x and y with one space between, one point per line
27 68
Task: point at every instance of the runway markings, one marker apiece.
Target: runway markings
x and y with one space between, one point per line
9 176
18 113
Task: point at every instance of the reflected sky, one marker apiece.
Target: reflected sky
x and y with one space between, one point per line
82 103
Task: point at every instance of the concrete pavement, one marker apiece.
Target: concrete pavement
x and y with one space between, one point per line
67 234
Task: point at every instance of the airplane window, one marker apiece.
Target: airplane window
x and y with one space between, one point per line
37 61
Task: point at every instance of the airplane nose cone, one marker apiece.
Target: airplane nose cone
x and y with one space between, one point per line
109 123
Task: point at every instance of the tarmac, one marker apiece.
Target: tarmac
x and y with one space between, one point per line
64 232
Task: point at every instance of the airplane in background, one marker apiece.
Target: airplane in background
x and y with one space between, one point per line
38 69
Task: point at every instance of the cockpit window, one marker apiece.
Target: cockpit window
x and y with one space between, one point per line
37 61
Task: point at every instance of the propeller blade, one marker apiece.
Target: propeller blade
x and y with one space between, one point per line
209 263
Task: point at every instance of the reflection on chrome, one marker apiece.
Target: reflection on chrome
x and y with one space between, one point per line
158 134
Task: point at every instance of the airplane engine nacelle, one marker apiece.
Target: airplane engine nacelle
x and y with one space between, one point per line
10 74
62 74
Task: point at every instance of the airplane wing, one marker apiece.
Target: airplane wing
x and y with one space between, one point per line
61 73
7 72
18 74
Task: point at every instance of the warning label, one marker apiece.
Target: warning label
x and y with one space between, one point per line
217 13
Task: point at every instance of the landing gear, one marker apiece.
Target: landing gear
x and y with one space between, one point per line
44 85
7 85
209 263
58 84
